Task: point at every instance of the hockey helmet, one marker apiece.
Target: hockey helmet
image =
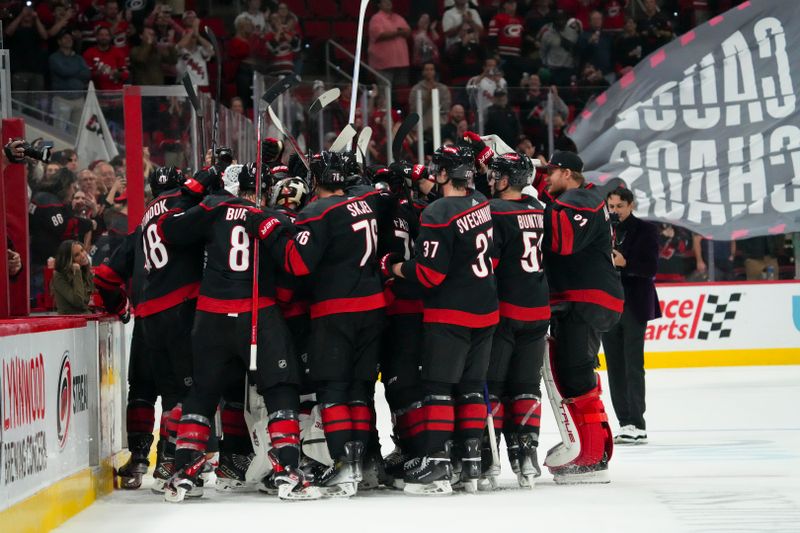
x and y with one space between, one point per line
517 167
290 191
248 175
458 161
165 178
327 169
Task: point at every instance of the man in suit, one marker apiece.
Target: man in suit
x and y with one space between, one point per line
635 255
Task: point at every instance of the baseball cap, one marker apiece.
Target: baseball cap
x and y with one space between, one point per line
567 160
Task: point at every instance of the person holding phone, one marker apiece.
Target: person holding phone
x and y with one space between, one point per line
388 44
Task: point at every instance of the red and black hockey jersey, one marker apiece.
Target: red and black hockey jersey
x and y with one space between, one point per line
403 296
173 271
507 30
453 262
218 223
111 277
521 281
51 222
577 250
291 292
336 246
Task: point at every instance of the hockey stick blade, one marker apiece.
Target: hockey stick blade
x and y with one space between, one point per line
278 124
402 132
279 87
344 139
362 144
187 84
324 100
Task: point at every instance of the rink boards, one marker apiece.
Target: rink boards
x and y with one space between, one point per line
62 393
61 407
725 324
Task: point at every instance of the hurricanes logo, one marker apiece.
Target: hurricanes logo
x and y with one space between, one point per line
64 400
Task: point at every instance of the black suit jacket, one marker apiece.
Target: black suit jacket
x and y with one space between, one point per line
637 241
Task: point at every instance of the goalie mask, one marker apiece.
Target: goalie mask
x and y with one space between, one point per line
291 193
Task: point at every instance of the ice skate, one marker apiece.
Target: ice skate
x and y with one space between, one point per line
582 474
341 479
529 468
164 470
186 483
428 476
393 466
231 472
373 473
470 465
130 474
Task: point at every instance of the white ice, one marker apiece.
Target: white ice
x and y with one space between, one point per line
724 455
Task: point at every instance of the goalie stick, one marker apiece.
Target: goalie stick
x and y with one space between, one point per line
362 145
362 12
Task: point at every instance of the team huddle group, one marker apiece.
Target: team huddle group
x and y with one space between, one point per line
405 271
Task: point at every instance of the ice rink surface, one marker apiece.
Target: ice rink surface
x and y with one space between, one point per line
724 455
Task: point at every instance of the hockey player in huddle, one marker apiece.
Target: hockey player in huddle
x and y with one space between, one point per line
111 279
220 341
334 253
402 336
518 345
172 284
587 299
460 312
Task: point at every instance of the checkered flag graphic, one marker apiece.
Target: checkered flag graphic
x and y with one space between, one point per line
716 313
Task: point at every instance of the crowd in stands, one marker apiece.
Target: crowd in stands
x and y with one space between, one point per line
495 63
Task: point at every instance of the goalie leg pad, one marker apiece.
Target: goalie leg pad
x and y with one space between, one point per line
582 422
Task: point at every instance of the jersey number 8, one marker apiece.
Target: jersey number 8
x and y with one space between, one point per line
239 256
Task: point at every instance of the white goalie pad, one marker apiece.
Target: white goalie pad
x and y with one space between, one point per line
570 447
256 417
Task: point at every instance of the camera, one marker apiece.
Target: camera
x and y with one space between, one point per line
42 155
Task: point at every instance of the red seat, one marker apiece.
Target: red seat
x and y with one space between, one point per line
298 7
324 9
345 31
317 30
350 9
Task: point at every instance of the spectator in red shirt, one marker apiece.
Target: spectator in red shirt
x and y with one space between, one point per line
119 27
388 47
109 64
505 35
283 45
240 64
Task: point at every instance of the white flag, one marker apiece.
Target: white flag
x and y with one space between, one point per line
94 139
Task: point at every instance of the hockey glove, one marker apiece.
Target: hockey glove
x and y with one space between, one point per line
389 260
399 176
296 166
204 181
420 172
484 154
271 150
263 225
